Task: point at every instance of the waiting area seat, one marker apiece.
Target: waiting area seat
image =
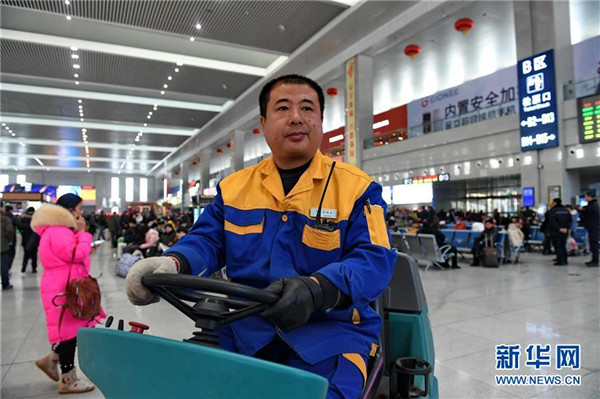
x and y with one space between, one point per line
423 248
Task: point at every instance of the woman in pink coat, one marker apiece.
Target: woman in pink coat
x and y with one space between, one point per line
64 246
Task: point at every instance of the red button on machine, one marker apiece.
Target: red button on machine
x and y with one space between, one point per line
138 327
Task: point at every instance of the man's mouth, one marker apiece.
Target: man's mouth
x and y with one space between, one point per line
295 135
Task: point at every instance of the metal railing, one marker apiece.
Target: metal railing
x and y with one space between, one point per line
581 88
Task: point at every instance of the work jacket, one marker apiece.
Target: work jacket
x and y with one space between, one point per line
559 217
262 235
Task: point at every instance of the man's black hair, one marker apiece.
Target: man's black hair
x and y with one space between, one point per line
557 201
591 194
265 92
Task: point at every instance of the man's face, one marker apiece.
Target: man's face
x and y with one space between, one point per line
588 198
488 225
293 126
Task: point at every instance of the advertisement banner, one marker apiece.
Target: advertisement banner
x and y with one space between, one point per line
537 105
480 99
350 142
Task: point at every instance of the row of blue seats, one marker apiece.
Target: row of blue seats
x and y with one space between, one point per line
465 239
580 235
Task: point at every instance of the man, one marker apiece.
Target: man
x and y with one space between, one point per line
559 223
12 249
264 226
591 221
440 238
30 240
113 227
487 239
6 237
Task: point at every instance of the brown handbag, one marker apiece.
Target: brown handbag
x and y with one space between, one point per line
83 298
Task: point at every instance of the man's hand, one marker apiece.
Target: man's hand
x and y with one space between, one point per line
300 296
137 293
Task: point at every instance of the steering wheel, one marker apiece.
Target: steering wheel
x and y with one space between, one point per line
210 312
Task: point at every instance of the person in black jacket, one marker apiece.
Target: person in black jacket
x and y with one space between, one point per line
591 221
440 238
30 241
559 223
487 239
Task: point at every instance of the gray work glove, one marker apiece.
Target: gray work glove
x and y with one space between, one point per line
137 293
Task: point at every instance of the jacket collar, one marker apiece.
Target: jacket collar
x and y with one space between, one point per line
272 179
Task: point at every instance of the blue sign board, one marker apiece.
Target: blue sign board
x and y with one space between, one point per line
528 196
537 102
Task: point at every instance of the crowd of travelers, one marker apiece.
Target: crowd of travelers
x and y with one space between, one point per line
558 224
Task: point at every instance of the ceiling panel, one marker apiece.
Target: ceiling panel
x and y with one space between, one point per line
68 107
11 151
280 26
23 58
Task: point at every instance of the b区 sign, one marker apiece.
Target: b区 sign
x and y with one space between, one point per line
537 102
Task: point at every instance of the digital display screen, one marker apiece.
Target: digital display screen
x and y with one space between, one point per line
588 113
409 194
64 189
528 196
387 194
88 193
537 102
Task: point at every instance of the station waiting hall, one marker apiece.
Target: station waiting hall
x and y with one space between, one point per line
300 199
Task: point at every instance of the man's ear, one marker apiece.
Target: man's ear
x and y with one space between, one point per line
262 123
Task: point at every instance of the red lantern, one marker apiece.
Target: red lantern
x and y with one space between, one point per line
228 145
195 163
412 50
256 131
464 25
332 91
219 150
176 173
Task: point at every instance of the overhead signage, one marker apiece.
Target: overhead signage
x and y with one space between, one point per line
427 179
588 112
88 193
586 67
537 102
474 101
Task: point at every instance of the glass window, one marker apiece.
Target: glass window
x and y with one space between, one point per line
21 179
143 189
129 189
3 181
114 188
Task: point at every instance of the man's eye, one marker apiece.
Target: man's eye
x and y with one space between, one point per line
282 108
307 109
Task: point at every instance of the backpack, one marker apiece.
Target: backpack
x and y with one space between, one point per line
125 263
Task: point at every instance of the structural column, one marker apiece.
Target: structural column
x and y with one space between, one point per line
541 26
204 169
359 107
237 150
184 171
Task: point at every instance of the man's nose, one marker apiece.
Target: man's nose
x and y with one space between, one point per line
295 117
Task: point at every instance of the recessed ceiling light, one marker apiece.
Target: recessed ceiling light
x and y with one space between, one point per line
12 134
149 116
165 86
67 2
22 144
150 113
76 75
198 26
75 56
4 124
145 124
68 17
176 69
170 77
10 131
82 119
180 63
192 39
7 128
76 66
281 28
79 101
84 130
162 92
74 49
76 82
81 106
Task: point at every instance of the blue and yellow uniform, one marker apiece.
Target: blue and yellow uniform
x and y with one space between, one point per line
262 235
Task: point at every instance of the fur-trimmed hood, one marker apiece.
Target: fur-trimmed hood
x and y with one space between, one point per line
52 215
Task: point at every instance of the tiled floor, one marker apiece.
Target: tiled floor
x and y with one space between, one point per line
471 311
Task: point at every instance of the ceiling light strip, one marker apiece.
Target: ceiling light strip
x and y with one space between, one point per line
92 95
38 158
63 143
72 169
126 51
96 125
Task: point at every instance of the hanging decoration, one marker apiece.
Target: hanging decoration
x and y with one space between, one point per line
332 92
464 25
255 131
412 50
219 150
